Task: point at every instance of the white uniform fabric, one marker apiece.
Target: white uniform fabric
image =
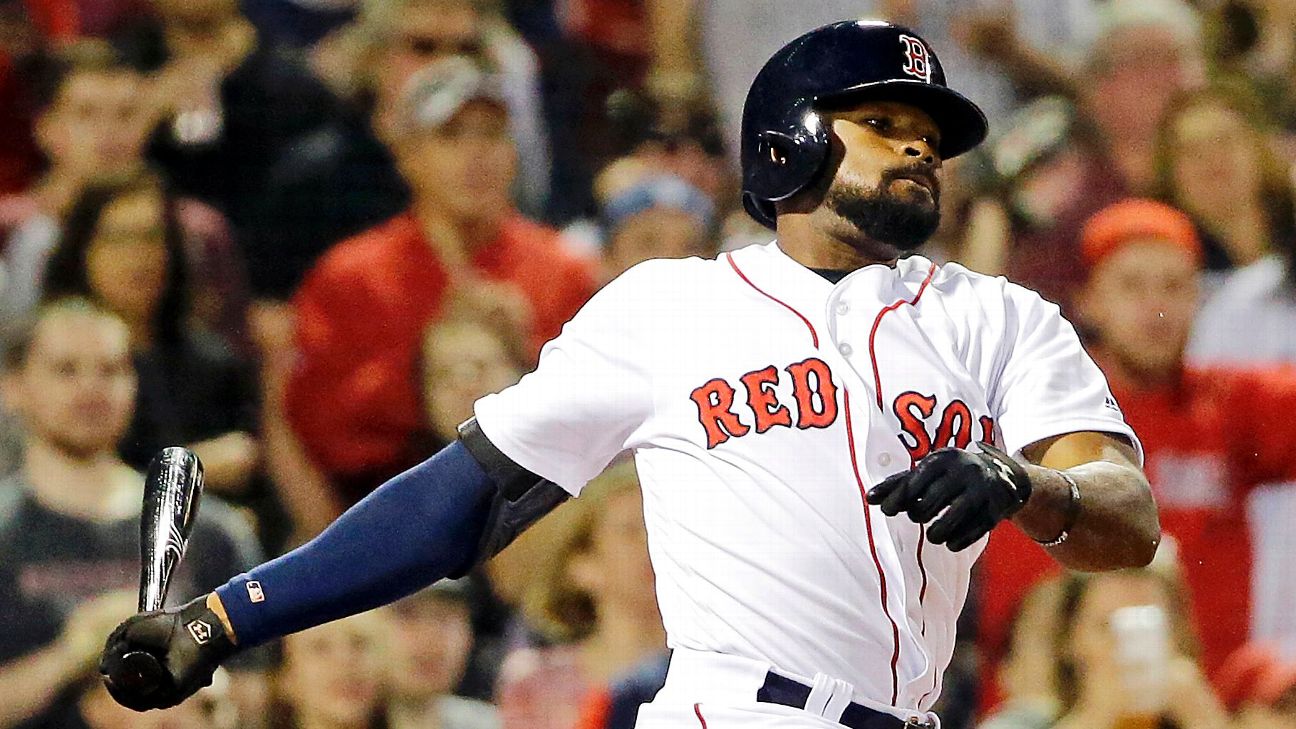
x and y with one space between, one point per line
761 401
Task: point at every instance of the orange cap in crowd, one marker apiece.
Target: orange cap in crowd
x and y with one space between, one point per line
1120 223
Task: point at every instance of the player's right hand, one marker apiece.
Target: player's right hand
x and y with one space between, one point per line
189 642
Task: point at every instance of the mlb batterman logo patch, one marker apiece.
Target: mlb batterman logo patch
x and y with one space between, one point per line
255 593
917 61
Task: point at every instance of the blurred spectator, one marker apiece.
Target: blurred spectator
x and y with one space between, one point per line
1026 673
1259 688
69 524
410 34
593 49
467 353
651 140
298 23
332 676
1055 165
1220 166
618 706
352 398
1211 436
122 247
659 217
341 179
231 106
1036 182
1255 41
1147 52
91 122
595 600
91 130
1217 163
1124 655
432 638
687 143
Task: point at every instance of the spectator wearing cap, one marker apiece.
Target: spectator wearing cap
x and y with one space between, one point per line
1211 436
432 638
341 179
661 216
352 398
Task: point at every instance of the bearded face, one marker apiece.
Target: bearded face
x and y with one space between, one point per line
891 212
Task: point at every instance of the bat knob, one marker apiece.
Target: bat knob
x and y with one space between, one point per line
139 673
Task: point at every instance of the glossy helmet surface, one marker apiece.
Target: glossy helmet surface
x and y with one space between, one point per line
785 141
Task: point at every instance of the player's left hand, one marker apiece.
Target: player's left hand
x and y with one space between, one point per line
975 490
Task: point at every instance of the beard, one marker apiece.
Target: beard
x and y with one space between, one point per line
885 217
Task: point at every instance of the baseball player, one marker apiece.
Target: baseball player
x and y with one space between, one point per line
825 431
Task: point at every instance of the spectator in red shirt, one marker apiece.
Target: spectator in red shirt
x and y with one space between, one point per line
353 396
1211 436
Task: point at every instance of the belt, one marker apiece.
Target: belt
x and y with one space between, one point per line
787 692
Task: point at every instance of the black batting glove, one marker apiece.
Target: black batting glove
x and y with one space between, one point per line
189 642
976 491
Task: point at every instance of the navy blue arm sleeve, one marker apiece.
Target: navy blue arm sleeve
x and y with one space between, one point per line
415 529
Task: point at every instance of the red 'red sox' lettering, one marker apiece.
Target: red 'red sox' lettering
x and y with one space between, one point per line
955 428
813 391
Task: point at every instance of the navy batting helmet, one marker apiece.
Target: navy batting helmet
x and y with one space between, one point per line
784 139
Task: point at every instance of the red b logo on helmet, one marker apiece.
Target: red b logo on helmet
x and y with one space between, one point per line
917 62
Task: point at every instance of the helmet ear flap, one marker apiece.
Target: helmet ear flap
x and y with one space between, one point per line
785 163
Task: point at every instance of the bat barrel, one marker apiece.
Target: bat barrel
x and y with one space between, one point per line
172 490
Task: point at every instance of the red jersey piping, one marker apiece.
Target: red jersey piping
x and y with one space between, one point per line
868 527
814 336
697 711
877 377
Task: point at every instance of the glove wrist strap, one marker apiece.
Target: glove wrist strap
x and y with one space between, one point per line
206 629
1072 513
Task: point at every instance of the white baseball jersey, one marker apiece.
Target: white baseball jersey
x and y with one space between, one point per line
761 401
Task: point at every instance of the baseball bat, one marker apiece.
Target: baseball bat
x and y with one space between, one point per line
172 490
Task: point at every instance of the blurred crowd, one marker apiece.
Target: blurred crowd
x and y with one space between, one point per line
302 237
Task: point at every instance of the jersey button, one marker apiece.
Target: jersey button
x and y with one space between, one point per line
845 349
884 460
842 307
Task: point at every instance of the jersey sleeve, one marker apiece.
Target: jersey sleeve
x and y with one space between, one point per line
591 391
1048 385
